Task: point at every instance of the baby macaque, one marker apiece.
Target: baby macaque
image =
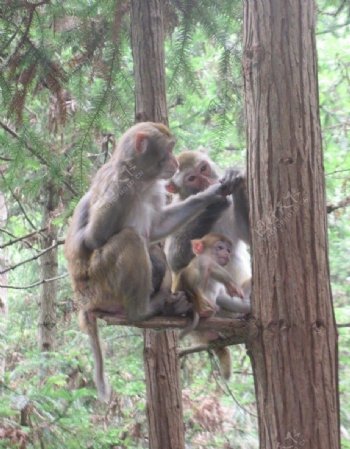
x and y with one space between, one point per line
205 278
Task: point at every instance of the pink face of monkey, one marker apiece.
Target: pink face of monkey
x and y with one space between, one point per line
216 246
221 252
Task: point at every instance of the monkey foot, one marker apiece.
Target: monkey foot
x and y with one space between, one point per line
177 304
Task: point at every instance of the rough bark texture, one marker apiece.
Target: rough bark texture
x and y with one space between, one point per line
164 410
147 35
48 320
295 354
3 292
164 401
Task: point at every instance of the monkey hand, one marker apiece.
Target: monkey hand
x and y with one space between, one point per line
233 290
177 304
214 193
208 310
232 181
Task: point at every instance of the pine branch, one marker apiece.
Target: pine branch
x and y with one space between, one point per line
46 250
35 284
34 153
19 239
18 202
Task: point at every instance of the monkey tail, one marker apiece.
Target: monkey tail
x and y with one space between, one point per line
88 324
192 326
225 362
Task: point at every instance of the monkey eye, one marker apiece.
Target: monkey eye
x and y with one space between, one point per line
203 168
191 178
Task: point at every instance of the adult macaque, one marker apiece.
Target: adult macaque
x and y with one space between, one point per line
112 266
204 278
228 217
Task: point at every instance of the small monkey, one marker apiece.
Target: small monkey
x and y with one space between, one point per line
205 277
111 247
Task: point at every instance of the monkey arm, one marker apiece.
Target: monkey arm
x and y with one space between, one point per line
106 218
178 246
236 182
220 274
176 215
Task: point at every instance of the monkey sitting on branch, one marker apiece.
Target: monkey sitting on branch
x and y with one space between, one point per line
197 173
113 265
205 277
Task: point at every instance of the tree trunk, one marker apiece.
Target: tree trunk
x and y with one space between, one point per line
147 33
3 292
164 401
295 354
48 320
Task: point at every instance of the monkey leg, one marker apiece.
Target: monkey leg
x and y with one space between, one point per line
225 362
204 306
223 354
121 274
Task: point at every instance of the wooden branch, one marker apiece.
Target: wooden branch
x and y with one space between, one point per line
343 325
35 284
234 330
343 203
19 239
50 248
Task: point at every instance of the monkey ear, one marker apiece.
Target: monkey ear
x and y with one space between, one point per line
171 187
141 142
197 246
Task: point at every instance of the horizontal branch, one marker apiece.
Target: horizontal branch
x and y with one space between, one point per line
46 250
343 203
35 284
19 239
235 330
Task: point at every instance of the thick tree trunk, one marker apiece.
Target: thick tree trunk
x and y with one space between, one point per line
164 401
147 33
49 264
295 354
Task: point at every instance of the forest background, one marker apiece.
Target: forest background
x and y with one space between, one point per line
67 92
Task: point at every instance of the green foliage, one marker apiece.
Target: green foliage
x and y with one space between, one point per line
66 86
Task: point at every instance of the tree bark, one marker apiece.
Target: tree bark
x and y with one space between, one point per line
164 400
294 355
49 267
147 33
3 292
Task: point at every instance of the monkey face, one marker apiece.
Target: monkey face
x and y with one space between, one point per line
222 252
198 178
196 173
158 162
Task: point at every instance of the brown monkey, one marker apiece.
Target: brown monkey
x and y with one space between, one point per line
229 217
204 277
112 267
